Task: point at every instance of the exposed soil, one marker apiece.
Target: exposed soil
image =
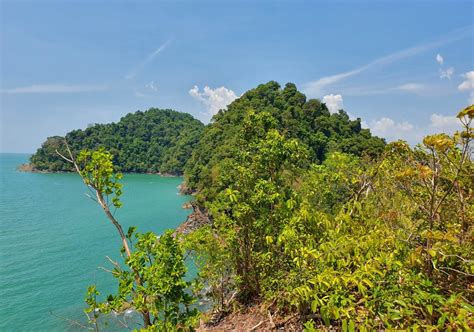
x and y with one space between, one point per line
252 319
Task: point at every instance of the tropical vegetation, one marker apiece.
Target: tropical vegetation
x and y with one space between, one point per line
151 279
143 142
285 110
312 218
355 242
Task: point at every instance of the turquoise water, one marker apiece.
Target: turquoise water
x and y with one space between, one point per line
53 239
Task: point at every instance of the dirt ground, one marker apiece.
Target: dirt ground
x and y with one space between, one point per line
252 319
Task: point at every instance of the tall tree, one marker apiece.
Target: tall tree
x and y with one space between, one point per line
153 283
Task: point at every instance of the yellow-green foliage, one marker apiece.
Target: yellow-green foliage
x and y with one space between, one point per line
353 243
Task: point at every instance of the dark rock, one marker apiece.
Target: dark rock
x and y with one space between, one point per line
195 220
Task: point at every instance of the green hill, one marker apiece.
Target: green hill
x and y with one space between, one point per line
289 112
152 141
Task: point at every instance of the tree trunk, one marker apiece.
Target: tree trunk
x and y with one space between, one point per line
105 207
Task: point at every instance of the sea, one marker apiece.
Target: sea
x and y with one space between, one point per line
54 241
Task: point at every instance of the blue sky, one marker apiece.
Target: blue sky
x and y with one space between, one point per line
404 67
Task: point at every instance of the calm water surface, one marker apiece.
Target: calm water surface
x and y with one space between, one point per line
53 239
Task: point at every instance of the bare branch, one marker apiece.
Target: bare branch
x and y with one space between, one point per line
114 263
92 198
71 321
124 324
106 270
256 326
67 159
272 324
455 270
457 256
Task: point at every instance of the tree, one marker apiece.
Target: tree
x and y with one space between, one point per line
162 292
437 176
255 200
153 282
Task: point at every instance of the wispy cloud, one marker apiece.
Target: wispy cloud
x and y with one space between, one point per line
468 85
373 90
147 60
152 86
446 73
411 87
317 87
54 88
138 94
149 90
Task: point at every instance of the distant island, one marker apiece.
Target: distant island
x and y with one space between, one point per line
154 141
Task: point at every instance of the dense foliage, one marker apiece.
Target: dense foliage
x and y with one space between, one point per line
354 242
151 141
311 217
162 291
292 115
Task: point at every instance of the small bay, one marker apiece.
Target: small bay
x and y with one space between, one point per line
53 240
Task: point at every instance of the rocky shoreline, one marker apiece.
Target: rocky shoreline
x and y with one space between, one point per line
29 168
195 220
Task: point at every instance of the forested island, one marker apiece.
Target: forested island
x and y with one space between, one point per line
143 142
311 223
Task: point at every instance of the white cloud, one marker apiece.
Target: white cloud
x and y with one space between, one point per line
148 59
442 123
333 102
446 73
392 130
388 128
411 87
214 99
54 88
468 85
151 86
439 59
317 87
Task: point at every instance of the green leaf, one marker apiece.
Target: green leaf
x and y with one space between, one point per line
351 326
344 325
